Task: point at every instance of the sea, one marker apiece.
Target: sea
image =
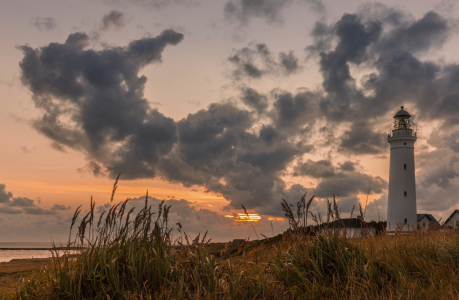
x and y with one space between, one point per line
21 253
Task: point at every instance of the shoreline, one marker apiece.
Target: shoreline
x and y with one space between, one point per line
43 249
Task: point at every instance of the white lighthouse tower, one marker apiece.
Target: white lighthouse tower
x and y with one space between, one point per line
401 209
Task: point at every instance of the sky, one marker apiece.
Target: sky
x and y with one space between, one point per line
213 104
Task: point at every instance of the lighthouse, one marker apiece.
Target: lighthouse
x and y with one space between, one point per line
401 209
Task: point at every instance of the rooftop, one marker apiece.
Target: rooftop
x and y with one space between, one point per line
402 113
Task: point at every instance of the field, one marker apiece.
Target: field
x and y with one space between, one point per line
421 265
134 257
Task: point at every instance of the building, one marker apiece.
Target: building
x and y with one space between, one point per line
401 209
351 227
453 220
427 221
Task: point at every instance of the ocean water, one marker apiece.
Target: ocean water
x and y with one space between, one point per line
8 255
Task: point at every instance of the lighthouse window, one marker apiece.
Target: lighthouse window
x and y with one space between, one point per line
404 193
405 221
404 166
404 143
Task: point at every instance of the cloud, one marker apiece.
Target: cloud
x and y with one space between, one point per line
21 202
158 4
322 35
377 209
92 101
38 211
25 219
360 139
256 62
60 207
343 182
254 100
108 103
7 199
218 150
10 205
9 210
26 150
44 24
114 18
4 195
317 169
243 11
93 168
347 166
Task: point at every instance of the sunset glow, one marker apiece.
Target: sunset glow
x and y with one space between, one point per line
210 108
245 217
275 219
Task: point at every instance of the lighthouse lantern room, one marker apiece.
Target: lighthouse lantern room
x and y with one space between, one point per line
401 209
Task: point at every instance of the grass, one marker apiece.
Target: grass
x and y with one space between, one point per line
134 257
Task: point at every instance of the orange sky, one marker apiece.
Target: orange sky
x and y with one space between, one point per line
189 78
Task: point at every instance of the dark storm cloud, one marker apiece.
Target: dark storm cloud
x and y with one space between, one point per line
347 166
431 31
289 62
360 139
44 24
354 38
4 195
443 174
350 184
114 18
257 61
78 40
344 182
101 92
453 141
115 126
291 113
388 41
322 35
94 168
92 101
392 43
21 202
317 169
440 177
254 100
219 150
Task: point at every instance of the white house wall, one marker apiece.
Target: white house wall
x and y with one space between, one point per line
453 221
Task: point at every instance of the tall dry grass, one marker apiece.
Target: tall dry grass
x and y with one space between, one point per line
133 257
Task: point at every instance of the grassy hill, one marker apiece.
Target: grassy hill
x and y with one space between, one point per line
134 257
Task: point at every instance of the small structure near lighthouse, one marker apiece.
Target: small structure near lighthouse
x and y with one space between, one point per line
401 209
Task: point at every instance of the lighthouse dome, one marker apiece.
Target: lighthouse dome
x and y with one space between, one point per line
402 113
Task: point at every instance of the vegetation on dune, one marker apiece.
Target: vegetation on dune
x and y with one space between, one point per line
135 258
